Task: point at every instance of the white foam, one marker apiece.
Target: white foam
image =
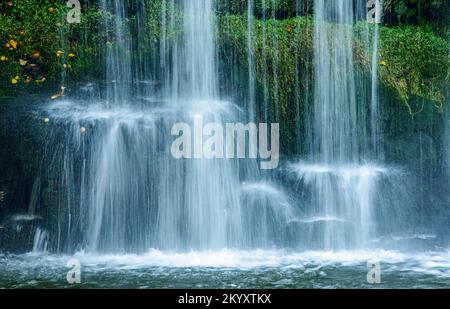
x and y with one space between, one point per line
303 169
432 263
319 219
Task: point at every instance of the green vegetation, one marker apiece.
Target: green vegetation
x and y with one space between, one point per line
413 59
418 12
37 45
155 11
289 42
268 8
414 63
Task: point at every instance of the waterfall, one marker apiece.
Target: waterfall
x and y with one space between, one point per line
119 185
197 64
339 191
265 72
446 142
251 60
375 108
206 200
120 190
40 241
118 59
275 67
335 122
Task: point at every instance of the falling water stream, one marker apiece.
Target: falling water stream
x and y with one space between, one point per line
342 191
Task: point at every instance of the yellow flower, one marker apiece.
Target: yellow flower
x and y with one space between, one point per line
22 62
71 55
382 62
59 53
13 44
46 120
14 80
51 10
3 58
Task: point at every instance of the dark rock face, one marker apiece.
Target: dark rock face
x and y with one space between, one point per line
19 162
17 237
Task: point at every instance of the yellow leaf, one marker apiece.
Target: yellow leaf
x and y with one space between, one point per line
13 44
382 62
22 62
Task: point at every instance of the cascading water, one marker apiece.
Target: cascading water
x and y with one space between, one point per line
118 59
375 100
106 188
122 184
118 189
340 192
40 241
335 120
251 60
208 200
122 191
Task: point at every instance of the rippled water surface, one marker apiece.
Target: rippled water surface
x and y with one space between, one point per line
229 269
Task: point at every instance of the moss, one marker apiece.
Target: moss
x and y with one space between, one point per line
413 60
414 63
289 42
38 30
156 10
